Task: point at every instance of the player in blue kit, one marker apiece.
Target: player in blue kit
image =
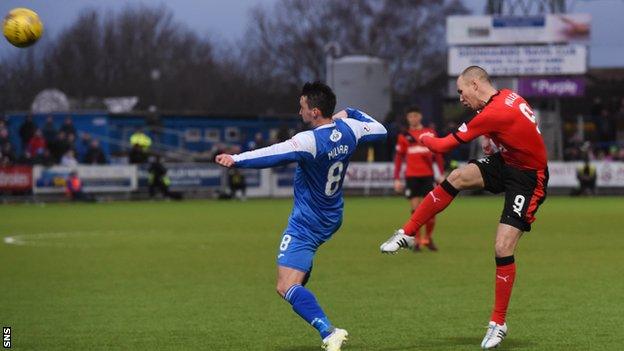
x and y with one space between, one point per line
322 155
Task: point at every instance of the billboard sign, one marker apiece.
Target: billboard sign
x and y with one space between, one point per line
551 86
562 174
497 30
519 60
109 178
184 176
15 178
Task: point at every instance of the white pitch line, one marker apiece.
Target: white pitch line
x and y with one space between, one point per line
43 239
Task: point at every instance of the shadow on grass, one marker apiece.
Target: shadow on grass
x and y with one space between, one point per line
300 348
458 341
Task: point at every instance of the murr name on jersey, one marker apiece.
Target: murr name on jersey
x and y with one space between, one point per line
338 150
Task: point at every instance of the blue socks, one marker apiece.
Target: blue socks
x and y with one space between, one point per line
305 305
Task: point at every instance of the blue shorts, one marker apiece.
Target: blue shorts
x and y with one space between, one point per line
295 252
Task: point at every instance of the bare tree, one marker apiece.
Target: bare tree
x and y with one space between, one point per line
287 42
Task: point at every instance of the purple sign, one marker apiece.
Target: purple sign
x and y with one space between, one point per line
551 86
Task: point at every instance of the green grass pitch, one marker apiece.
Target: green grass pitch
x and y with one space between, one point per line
200 275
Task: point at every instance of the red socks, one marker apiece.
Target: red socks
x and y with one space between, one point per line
505 275
437 200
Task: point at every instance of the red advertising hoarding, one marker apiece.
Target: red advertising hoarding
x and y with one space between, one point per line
15 178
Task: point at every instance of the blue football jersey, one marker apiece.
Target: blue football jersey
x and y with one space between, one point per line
322 155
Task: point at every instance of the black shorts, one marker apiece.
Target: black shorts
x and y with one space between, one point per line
525 190
418 186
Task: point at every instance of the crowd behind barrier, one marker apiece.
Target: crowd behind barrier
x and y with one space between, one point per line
111 153
209 178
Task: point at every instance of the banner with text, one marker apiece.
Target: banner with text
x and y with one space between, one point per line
519 60
113 178
551 86
487 30
562 174
15 178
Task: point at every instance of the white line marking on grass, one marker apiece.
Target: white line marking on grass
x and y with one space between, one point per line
79 239
48 239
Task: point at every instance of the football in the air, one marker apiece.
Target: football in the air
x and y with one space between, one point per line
22 27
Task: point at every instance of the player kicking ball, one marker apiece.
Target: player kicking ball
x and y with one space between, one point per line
322 155
515 164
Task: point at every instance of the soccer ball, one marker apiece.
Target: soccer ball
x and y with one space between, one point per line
22 27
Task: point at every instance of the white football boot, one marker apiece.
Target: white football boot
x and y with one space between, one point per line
334 341
398 240
495 334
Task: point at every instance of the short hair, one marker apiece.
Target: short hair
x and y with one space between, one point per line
413 108
476 72
320 96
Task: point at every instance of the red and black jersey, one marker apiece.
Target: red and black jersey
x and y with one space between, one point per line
509 121
418 158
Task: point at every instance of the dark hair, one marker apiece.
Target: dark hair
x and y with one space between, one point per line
413 108
320 96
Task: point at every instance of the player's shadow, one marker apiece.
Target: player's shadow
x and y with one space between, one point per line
433 344
509 344
448 343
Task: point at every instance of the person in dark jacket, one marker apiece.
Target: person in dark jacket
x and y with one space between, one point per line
158 180
95 154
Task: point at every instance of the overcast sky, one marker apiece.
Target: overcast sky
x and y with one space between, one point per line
227 19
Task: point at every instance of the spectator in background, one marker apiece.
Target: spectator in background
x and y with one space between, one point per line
257 143
140 144
68 127
60 146
237 184
85 140
141 139
37 144
44 159
27 131
73 188
69 159
6 154
4 136
5 161
283 133
95 154
158 180
49 130
586 176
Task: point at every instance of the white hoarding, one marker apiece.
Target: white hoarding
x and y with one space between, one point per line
561 174
519 60
113 178
554 28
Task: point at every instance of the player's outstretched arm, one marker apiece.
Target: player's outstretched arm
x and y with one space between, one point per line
479 125
224 160
296 149
365 127
439 145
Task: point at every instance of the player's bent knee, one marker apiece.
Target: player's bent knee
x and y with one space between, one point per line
457 179
467 177
282 288
503 249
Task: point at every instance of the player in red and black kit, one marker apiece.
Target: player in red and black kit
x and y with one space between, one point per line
515 164
419 174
